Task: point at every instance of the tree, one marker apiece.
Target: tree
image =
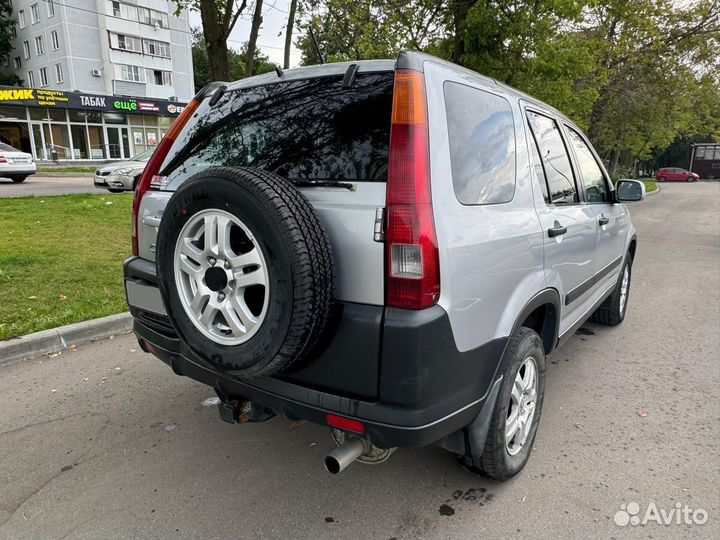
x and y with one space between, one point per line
218 20
636 74
236 62
288 33
366 29
254 31
6 24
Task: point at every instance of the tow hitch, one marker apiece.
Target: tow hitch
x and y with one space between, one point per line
233 411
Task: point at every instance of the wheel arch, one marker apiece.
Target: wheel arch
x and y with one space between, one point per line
542 314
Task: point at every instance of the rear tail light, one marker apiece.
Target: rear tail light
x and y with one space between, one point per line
150 177
3 159
413 268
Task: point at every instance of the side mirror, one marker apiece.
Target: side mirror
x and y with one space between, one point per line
629 191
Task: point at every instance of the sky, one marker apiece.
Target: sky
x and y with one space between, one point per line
271 40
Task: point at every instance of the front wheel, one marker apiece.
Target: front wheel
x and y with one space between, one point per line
690 179
517 409
661 179
18 179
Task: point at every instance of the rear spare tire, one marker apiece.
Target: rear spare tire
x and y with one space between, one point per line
246 271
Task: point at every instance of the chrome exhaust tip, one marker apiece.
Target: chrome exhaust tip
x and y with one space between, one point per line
338 460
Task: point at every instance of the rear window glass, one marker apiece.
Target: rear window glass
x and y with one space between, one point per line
482 145
311 129
7 148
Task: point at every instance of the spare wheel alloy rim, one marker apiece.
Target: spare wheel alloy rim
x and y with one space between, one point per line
221 277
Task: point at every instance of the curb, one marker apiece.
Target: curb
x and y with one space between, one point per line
59 339
648 194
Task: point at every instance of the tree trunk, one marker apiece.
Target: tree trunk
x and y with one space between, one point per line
288 33
252 42
614 161
215 41
460 11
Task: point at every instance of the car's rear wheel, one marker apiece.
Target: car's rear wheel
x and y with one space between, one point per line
246 271
612 311
516 413
18 179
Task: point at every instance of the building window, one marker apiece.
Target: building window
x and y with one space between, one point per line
26 50
129 73
13 31
39 45
124 11
156 48
50 8
35 13
159 77
125 43
43 77
31 79
18 62
21 18
54 41
153 18
58 73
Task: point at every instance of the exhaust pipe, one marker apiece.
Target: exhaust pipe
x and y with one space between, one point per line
337 460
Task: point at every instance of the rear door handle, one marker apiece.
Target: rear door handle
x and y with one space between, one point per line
557 230
604 220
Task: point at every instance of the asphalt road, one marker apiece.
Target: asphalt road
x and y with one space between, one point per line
106 442
43 186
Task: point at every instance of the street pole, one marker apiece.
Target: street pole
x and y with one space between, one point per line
692 156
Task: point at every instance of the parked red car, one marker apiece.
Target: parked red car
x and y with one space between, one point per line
676 174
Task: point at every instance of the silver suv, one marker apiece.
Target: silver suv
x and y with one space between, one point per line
387 248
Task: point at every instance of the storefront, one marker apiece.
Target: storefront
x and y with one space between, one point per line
52 124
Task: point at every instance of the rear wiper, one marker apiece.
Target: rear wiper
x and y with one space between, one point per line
324 183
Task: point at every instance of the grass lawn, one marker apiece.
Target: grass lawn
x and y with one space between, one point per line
64 169
61 260
650 186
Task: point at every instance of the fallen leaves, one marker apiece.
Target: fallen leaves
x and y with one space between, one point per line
296 424
642 414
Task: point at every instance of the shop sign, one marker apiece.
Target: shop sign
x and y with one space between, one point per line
35 97
92 101
21 94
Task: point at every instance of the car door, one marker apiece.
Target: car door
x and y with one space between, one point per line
612 218
569 225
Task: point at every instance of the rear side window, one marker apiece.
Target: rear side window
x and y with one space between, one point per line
554 157
592 176
482 145
310 129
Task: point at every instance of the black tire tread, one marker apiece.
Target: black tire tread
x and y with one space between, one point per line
312 262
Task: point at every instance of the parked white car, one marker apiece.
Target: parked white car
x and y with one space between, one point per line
15 164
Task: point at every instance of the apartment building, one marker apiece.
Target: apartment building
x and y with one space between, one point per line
102 79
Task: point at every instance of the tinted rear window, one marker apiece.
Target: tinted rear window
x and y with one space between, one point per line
7 148
311 129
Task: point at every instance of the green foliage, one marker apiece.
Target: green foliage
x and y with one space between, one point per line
636 74
236 58
6 24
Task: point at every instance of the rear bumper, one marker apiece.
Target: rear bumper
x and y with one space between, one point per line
18 170
409 388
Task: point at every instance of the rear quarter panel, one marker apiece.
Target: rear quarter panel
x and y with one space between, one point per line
491 256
